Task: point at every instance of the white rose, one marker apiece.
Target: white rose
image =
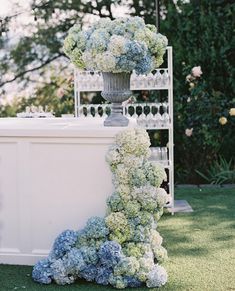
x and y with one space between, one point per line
232 111
188 131
196 71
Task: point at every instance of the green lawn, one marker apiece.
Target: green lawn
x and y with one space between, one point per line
201 248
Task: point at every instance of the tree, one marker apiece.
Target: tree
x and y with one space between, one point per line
201 33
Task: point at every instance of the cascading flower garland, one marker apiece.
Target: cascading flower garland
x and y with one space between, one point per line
121 45
123 249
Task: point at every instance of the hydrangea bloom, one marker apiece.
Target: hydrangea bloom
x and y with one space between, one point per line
115 202
89 273
157 277
127 266
103 274
96 228
110 253
74 261
118 282
60 274
160 253
121 45
132 281
122 248
63 243
42 272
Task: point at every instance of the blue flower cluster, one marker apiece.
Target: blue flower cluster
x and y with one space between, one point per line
121 45
124 248
63 243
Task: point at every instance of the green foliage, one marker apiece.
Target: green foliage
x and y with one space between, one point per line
220 172
201 33
201 110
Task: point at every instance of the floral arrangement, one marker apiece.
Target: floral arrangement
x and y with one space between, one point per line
121 45
123 249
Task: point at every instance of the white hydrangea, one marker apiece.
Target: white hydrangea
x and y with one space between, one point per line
117 45
106 62
126 140
146 36
145 192
88 59
113 157
162 197
146 265
124 192
132 161
160 253
155 238
157 277
122 175
134 141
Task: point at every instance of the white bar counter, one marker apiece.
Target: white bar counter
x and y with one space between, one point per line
53 176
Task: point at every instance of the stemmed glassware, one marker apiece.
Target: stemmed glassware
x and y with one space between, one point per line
165 115
158 79
158 116
165 78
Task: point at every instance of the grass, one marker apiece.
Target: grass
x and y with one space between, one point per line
201 248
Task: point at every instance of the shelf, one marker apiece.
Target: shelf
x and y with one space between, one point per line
157 128
132 89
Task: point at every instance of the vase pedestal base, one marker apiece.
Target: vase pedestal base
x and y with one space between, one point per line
116 118
116 121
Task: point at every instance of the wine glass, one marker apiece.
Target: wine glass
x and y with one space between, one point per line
158 117
158 79
165 116
165 78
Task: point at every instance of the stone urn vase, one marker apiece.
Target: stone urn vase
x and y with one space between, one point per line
116 90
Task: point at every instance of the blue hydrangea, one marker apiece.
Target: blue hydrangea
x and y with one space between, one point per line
60 274
103 274
89 254
124 64
132 281
63 243
96 228
110 253
42 271
144 66
89 273
135 50
74 261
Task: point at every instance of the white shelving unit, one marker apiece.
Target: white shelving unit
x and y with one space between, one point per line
160 79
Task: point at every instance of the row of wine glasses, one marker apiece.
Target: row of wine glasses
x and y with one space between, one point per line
158 78
159 154
149 115
94 110
88 81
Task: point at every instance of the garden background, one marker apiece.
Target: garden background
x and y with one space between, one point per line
201 33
